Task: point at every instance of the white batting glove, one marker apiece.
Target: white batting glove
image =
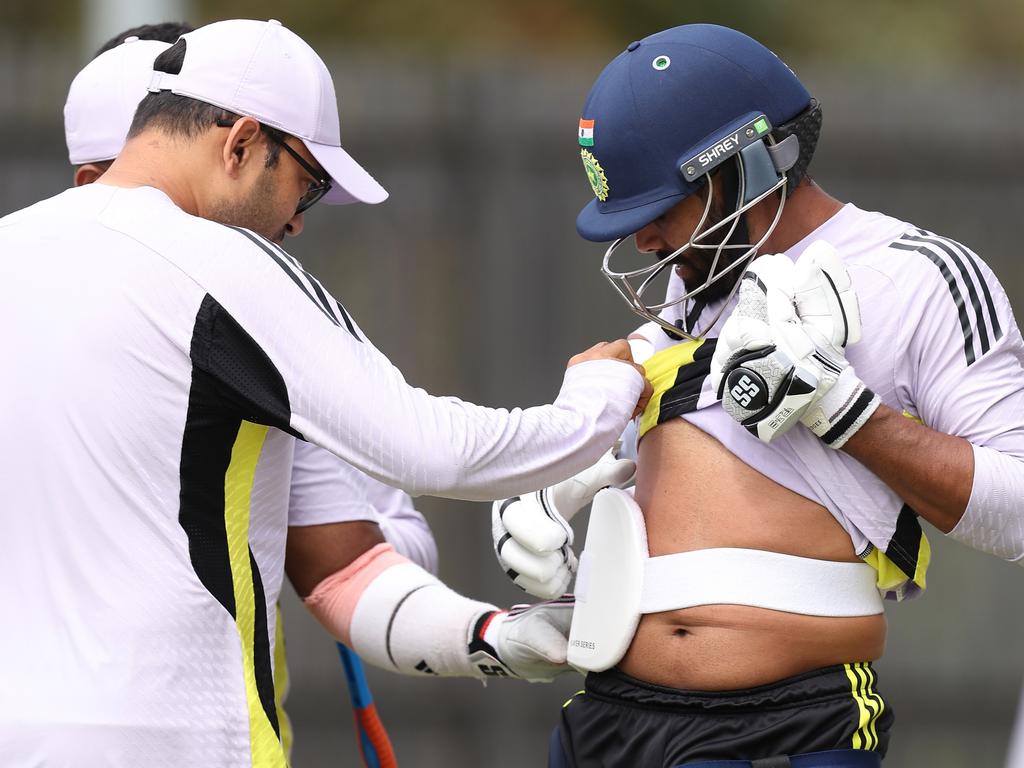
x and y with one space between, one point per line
780 357
532 535
527 641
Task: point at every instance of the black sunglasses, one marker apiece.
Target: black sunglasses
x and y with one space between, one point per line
323 183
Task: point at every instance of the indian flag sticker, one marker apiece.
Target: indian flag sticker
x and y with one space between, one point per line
586 133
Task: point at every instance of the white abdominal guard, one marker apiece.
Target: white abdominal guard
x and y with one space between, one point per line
618 582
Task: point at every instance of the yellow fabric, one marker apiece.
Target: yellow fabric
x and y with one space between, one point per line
890 576
662 369
267 751
569 700
281 684
869 705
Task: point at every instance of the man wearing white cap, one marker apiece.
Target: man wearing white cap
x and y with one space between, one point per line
155 401
345 504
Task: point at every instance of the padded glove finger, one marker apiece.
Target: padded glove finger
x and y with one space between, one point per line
825 298
541 568
533 521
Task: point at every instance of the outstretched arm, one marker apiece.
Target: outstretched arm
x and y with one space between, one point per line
397 616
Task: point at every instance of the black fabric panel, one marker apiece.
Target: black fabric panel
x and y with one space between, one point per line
682 396
206 444
905 544
232 380
264 671
246 382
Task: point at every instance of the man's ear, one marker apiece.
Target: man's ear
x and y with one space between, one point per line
242 139
89 172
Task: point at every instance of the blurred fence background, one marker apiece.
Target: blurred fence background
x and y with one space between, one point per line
472 279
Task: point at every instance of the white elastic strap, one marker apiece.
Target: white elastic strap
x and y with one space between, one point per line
753 577
618 582
993 521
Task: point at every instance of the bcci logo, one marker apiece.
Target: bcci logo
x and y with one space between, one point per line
595 174
747 389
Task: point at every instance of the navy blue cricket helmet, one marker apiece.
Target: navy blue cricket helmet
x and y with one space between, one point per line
667 112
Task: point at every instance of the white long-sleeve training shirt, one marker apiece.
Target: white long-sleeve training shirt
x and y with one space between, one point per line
939 344
156 366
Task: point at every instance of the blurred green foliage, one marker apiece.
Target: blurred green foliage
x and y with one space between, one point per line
876 34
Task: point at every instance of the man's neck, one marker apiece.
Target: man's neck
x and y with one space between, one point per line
152 159
806 209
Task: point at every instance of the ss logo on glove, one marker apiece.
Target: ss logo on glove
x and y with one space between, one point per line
747 388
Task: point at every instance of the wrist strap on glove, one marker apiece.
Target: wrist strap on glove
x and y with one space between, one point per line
483 656
842 411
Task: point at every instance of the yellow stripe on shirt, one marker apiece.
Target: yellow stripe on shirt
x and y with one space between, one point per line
266 748
662 369
281 685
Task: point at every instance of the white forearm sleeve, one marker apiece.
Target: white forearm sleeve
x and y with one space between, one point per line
399 617
994 519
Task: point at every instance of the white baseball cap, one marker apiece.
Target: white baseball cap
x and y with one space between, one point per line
263 70
103 98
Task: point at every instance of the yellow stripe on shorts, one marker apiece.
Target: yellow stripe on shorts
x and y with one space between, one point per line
569 700
869 705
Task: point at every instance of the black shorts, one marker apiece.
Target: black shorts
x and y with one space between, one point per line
619 721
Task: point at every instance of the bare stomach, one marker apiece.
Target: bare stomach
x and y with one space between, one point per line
695 494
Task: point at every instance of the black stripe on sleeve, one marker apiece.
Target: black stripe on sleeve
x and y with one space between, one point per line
318 289
965 276
328 301
288 271
970 258
954 291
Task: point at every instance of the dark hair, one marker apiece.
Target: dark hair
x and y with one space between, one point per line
806 127
165 32
184 116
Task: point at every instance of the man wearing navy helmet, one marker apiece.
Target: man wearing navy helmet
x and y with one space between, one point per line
737 616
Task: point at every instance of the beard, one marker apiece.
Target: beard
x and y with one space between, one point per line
256 211
694 269
693 266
